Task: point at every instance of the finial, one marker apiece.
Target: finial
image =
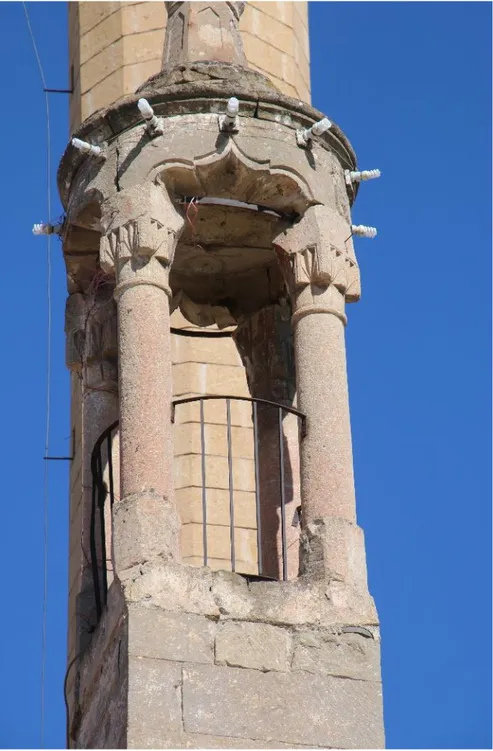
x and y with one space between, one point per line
198 31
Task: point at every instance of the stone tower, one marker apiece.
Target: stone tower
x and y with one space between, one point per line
218 592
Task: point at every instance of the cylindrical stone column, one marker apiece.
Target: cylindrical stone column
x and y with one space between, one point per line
327 482
320 269
141 228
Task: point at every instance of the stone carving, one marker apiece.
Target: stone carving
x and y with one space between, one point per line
318 251
203 31
141 228
91 335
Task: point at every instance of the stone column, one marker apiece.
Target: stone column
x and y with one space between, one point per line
141 229
265 343
321 271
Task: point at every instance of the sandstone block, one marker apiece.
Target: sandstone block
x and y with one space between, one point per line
154 701
170 636
189 502
345 655
253 645
325 711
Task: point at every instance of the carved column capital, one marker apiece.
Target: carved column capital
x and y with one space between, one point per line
141 228
317 259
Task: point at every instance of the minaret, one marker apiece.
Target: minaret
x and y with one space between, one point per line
218 576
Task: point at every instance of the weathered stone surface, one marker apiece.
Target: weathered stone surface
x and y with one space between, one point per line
292 708
343 655
170 636
146 527
253 645
154 701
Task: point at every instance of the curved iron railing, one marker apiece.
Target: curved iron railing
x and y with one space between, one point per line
102 489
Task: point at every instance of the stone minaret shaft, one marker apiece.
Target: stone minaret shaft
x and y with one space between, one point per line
218 575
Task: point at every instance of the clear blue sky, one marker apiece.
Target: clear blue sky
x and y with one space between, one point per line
410 84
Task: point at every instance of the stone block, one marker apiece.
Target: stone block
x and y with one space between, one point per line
185 350
143 16
253 645
189 502
91 14
220 564
345 655
100 66
179 637
208 379
218 542
188 472
214 412
102 94
154 701
263 54
187 440
288 707
107 31
135 74
143 46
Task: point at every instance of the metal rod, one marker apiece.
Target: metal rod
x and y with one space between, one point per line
257 488
102 531
59 91
204 489
58 458
92 544
110 469
208 397
283 500
231 495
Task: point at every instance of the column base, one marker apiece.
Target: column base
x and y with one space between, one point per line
146 527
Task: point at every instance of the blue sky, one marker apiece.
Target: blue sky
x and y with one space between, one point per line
410 84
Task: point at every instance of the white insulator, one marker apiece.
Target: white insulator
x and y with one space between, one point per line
154 124
87 148
145 109
229 121
321 127
232 107
358 177
46 229
361 230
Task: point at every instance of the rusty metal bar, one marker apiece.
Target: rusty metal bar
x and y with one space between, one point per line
231 493
204 484
283 499
257 488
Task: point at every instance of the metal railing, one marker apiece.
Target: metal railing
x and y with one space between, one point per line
270 462
103 486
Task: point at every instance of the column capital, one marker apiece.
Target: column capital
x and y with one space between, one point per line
317 253
141 228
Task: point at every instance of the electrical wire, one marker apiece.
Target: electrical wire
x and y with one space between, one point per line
48 388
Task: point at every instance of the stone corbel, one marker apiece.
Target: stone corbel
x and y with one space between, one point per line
315 254
141 228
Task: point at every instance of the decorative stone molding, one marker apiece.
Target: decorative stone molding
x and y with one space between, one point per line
141 229
317 251
203 31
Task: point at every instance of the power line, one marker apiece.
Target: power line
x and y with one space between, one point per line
48 386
